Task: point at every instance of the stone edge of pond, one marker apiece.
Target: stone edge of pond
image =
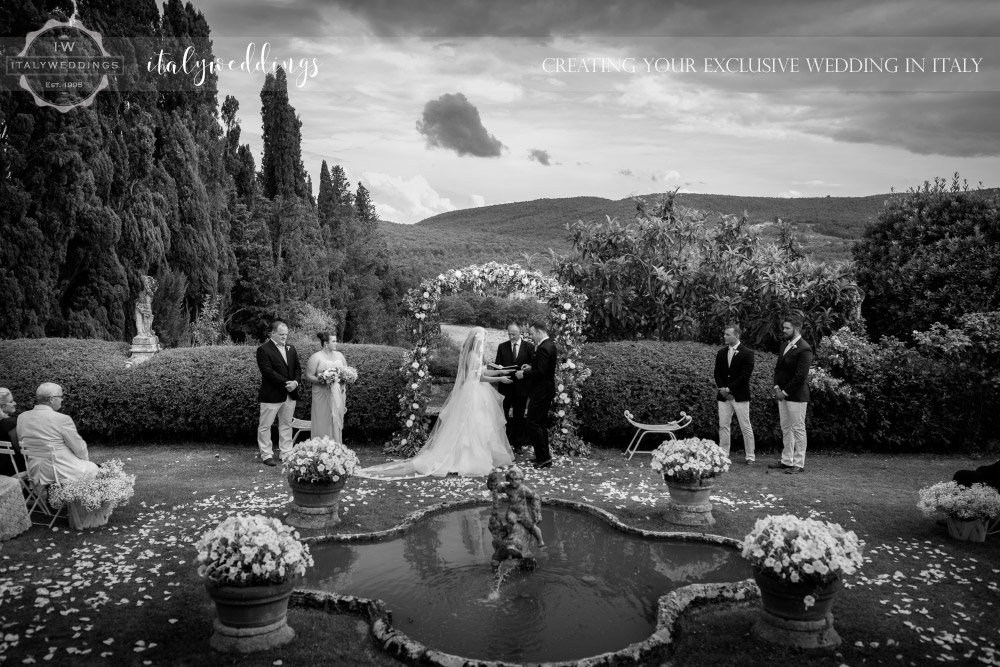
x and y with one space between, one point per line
653 650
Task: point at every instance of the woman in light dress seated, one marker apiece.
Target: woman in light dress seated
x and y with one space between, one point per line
329 402
53 449
470 436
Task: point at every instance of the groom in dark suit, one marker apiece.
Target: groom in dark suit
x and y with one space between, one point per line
515 352
279 389
541 376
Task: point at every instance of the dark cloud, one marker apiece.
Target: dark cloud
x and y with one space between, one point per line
452 121
952 124
625 172
534 20
540 156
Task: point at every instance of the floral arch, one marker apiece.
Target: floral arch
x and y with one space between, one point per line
567 314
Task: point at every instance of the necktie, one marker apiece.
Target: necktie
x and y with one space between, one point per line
732 353
514 347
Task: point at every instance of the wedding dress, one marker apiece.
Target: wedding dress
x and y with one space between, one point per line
470 435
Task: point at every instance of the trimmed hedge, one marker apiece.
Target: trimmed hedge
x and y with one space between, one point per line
656 381
198 393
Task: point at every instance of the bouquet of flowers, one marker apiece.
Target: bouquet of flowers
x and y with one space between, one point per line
787 547
321 460
109 485
251 551
690 460
345 374
978 501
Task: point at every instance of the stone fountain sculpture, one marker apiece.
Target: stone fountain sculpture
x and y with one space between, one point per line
146 343
515 528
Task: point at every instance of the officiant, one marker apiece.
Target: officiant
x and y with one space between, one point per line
514 353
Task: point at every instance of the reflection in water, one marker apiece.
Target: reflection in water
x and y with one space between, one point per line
595 589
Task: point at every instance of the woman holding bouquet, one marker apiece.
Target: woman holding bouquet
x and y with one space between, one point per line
329 389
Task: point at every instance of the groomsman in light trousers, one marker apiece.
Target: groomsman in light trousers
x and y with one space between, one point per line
733 368
791 389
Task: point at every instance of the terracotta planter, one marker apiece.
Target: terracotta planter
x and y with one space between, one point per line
692 493
785 599
974 530
80 517
250 606
316 494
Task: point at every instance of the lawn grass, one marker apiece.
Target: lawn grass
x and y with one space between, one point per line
132 584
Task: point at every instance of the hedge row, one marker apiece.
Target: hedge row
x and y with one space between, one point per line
202 392
211 393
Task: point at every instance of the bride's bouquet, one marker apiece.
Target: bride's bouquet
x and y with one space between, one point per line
344 374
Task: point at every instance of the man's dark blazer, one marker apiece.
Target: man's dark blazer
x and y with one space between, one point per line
791 374
735 375
505 357
542 376
274 373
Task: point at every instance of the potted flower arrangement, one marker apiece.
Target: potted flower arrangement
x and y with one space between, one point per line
798 564
92 497
689 468
971 510
317 471
249 564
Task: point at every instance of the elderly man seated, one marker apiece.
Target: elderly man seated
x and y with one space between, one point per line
49 441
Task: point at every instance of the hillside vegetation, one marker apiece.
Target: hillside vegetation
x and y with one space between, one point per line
523 232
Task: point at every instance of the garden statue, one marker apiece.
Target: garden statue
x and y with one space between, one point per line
514 528
145 344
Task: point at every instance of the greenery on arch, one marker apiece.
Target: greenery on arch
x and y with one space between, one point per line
567 313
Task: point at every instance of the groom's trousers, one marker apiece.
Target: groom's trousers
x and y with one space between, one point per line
516 425
538 425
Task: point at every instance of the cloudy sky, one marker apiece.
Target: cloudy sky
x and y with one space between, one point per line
438 105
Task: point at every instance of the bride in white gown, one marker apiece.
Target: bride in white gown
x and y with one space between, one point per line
470 435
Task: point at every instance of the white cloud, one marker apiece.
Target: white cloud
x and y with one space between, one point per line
478 200
404 200
816 182
672 176
790 194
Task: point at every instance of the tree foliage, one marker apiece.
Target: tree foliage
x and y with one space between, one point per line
679 274
932 255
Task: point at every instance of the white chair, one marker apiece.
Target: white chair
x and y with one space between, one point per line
38 499
300 426
642 430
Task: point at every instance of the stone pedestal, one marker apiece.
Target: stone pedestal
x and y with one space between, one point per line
143 347
250 640
313 517
690 504
798 634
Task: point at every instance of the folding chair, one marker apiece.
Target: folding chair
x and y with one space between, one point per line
642 430
300 426
7 449
38 498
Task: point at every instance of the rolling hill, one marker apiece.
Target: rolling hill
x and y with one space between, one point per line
508 232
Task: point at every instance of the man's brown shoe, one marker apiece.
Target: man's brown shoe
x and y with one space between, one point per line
779 466
795 470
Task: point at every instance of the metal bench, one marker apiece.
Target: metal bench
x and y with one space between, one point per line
642 430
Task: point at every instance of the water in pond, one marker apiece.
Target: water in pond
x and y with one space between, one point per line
595 589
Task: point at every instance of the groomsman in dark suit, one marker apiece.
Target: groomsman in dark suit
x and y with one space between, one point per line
515 352
791 389
279 389
541 377
733 368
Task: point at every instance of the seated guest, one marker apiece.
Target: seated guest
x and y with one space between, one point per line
982 475
8 432
49 440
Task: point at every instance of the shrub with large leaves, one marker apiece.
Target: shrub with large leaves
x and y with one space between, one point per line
932 255
680 274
